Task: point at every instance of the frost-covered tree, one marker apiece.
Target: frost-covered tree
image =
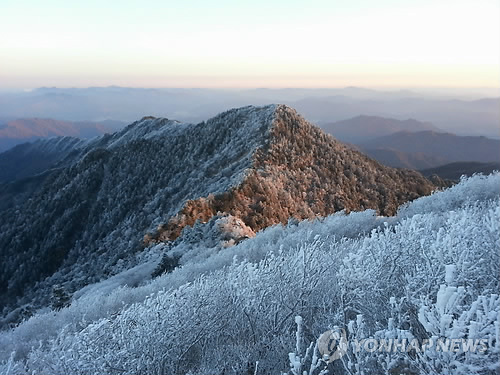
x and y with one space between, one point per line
425 274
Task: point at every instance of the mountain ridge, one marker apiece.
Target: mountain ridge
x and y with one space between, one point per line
454 171
279 159
261 165
28 159
364 127
447 146
412 144
21 130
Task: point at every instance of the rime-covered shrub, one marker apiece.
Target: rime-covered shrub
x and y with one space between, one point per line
415 276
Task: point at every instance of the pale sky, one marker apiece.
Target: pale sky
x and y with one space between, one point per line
259 43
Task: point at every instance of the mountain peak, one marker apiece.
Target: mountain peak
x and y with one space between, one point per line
288 116
299 171
146 183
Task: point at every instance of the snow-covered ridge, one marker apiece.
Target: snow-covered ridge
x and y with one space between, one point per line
146 128
262 165
54 144
113 189
246 120
377 277
29 159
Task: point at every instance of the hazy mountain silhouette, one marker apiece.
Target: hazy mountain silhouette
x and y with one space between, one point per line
462 115
399 159
454 171
362 128
22 130
436 147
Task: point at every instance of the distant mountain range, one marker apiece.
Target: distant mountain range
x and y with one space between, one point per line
363 128
429 149
16 131
400 159
445 145
462 115
91 214
411 143
408 143
454 171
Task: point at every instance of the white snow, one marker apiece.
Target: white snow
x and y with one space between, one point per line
242 298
